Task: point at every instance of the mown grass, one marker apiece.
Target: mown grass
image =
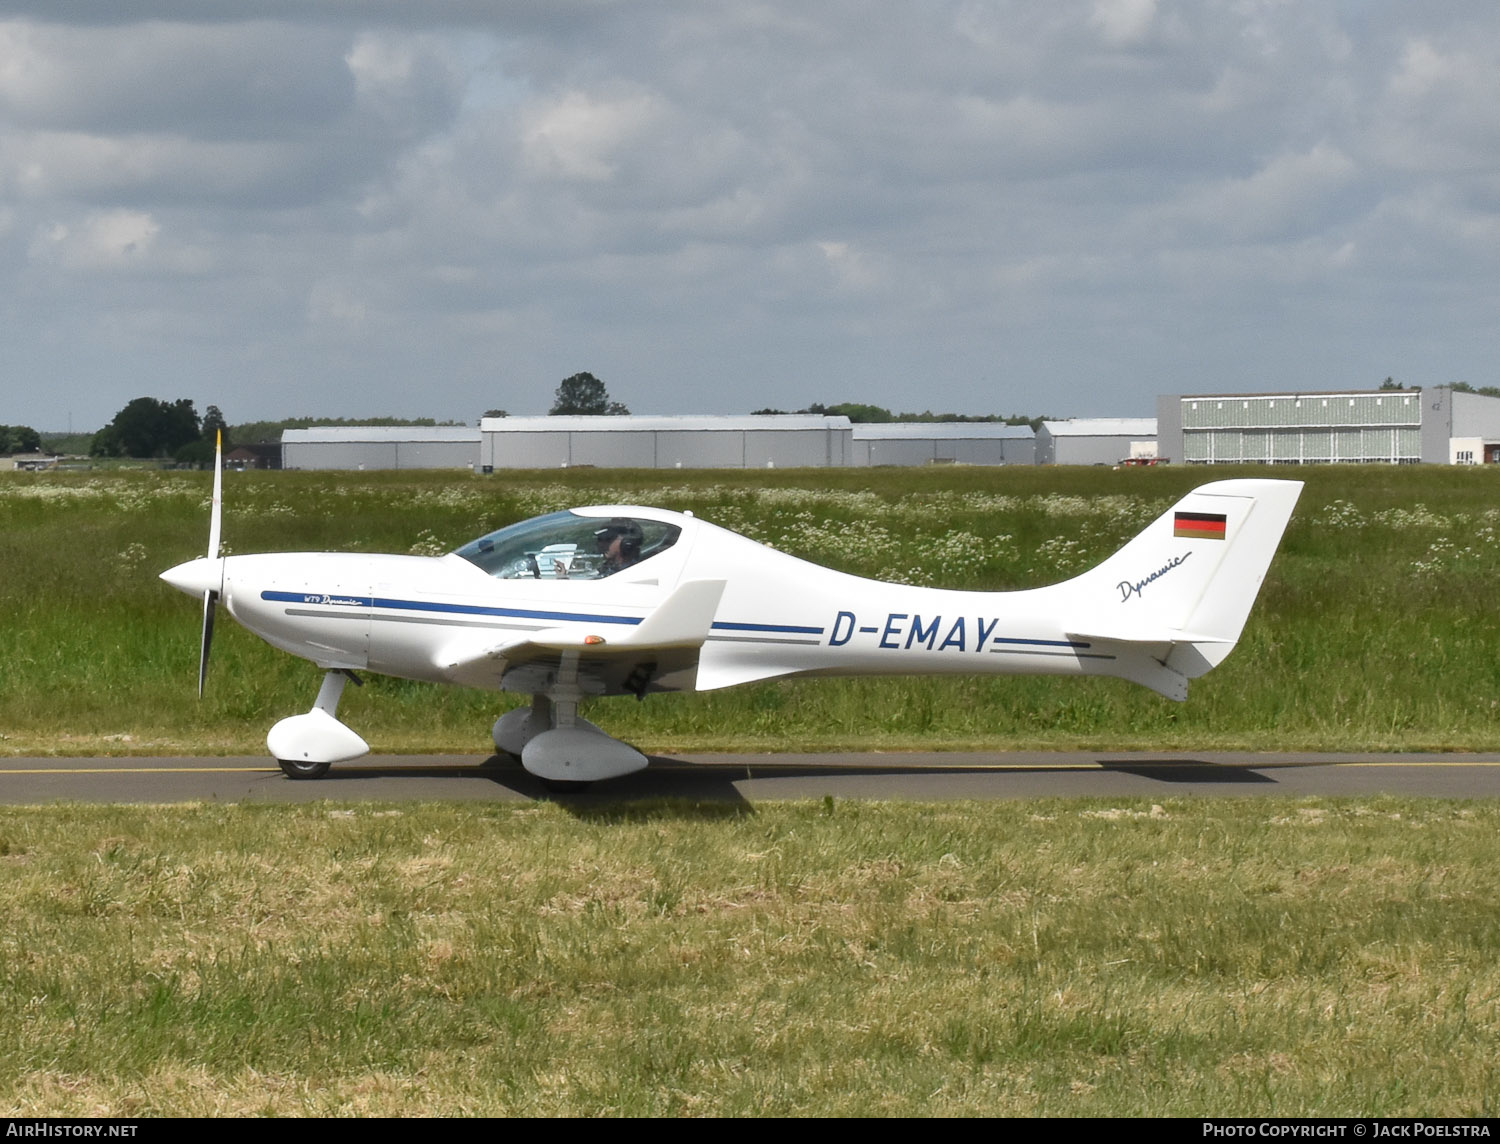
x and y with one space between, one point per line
1375 629
1193 958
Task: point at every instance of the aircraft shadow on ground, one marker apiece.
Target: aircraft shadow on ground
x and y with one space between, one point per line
1185 771
670 787
651 792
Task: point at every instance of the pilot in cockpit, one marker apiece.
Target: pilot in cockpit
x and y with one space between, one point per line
619 543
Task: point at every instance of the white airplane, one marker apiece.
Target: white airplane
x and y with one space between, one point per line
623 600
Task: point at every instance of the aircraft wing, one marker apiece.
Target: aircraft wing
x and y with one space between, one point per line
651 656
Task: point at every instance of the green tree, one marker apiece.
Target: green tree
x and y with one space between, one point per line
148 428
857 412
213 425
107 443
19 439
584 395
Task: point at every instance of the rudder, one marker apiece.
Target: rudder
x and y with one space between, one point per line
1184 586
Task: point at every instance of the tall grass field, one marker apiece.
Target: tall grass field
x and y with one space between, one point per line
1376 629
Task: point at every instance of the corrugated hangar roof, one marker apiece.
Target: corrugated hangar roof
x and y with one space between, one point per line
1103 427
345 434
630 424
939 430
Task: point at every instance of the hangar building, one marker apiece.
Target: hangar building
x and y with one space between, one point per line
380 447
943 442
1096 440
1390 426
751 442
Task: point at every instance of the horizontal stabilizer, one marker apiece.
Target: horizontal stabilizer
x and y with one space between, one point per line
1146 636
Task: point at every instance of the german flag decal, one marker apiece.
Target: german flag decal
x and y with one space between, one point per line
1200 525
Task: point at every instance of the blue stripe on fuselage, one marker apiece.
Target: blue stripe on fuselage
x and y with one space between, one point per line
788 628
451 609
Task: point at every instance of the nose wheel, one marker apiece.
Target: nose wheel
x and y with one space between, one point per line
301 769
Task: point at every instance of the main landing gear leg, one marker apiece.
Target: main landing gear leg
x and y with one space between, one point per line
572 753
305 745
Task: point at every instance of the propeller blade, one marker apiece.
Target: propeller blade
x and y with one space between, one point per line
210 605
215 530
216 510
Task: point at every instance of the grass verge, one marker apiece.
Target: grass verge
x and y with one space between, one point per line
1190 958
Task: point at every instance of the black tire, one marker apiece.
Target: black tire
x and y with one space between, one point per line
302 770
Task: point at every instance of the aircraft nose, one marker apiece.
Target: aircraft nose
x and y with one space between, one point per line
196 576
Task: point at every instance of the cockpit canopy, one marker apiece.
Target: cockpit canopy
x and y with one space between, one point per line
568 546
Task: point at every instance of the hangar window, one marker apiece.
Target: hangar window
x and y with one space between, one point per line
567 546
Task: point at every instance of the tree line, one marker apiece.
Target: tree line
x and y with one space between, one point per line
879 415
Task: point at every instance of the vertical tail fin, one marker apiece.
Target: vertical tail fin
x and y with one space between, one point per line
1182 589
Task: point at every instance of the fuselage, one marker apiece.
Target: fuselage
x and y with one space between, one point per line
624 600
414 616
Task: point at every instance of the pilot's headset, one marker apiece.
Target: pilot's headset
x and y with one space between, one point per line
630 536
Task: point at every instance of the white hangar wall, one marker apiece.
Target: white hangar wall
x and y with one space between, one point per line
942 442
752 442
767 441
380 447
1095 440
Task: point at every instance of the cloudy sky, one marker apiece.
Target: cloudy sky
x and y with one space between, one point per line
436 207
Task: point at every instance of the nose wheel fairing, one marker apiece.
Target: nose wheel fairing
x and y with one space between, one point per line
305 745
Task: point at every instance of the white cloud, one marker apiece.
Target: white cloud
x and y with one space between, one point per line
1287 196
44 166
852 269
337 306
1440 110
103 240
1123 22
580 137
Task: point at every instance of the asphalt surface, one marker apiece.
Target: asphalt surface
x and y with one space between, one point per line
751 778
